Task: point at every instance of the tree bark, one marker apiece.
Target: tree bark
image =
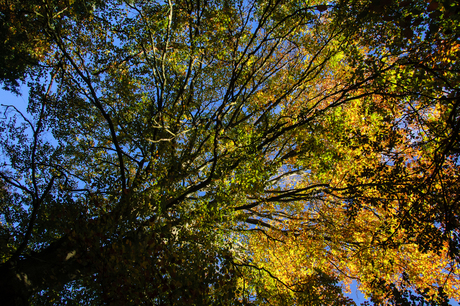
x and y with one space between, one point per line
53 267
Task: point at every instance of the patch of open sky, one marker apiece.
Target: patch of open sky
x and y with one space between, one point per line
21 104
17 106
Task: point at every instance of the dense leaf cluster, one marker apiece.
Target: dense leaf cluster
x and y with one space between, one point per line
230 152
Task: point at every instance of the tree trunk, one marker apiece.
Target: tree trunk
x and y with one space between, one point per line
53 267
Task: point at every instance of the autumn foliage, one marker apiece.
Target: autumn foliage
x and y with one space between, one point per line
230 152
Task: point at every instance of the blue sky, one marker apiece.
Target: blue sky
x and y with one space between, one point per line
8 98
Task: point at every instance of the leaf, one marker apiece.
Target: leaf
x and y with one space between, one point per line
322 7
230 153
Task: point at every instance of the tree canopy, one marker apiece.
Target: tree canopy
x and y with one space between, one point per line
200 152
